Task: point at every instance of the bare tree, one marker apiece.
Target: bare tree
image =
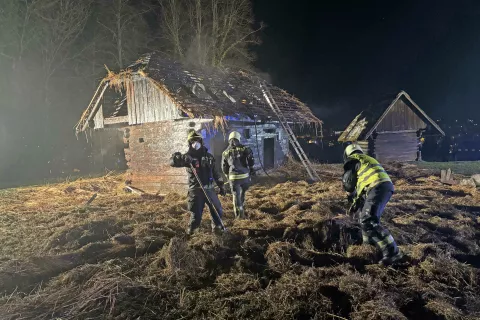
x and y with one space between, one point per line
125 30
60 22
232 32
17 30
174 25
209 32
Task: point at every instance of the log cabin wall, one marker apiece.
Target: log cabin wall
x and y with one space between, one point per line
150 146
396 146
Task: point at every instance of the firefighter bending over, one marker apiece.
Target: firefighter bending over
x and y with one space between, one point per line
370 188
204 165
237 165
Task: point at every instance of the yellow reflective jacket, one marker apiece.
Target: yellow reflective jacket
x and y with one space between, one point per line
370 173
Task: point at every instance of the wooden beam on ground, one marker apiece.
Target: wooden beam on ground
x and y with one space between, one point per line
134 190
446 177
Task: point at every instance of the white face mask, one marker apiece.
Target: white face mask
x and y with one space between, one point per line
196 145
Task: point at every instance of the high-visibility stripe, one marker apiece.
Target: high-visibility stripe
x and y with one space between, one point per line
385 242
238 176
371 172
368 167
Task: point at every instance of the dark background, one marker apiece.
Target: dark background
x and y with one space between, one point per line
340 56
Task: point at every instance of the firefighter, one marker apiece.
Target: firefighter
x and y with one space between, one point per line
237 165
370 188
420 143
204 165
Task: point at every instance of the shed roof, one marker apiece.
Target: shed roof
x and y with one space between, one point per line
203 92
364 124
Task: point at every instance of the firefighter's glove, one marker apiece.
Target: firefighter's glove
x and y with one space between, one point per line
252 172
222 191
350 198
187 158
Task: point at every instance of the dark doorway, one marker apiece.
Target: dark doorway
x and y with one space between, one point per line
269 153
108 151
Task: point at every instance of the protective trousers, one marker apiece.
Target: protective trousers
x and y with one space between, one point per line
239 188
196 203
372 232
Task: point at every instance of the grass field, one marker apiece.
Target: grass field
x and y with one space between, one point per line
298 256
461 167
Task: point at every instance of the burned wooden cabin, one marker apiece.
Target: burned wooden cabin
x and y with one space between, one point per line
155 101
390 129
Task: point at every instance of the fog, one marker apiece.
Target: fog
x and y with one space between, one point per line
53 53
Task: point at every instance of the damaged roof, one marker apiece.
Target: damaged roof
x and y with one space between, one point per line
203 92
364 124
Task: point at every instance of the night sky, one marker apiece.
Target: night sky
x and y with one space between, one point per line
340 56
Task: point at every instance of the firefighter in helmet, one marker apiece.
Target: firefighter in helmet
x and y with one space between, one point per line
370 188
237 165
204 165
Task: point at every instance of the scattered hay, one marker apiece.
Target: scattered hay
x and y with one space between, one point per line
180 259
378 309
298 256
294 296
420 252
447 271
236 283
444 310
365 253
279 256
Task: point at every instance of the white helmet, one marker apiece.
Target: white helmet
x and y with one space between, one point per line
350 149
234 135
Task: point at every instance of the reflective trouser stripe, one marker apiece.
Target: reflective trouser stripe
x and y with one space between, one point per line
238 176
385 242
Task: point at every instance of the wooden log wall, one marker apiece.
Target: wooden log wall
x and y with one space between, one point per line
150 146
400 146
148 154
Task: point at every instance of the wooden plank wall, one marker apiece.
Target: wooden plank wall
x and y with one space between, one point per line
396 146
401 117
150 104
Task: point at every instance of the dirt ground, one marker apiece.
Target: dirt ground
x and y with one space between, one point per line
126 256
